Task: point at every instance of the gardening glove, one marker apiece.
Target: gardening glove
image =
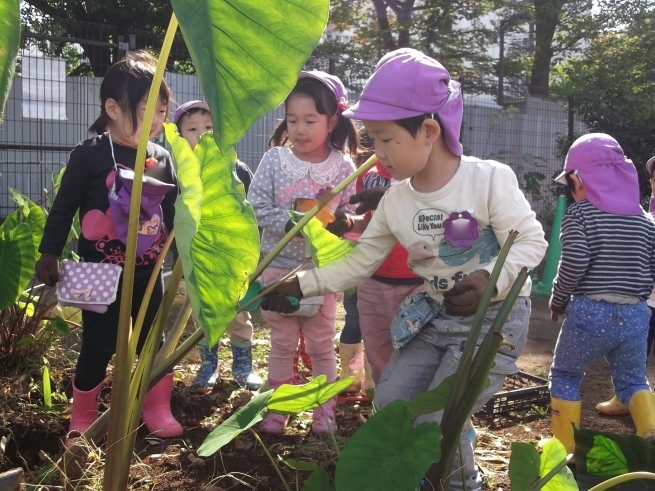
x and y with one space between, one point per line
47 269
555 312
341 225
464 298
277 300
369 199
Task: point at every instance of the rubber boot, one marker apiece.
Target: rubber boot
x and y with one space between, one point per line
85 411
208 373
273 423
642 408
564 415
325 418
368 385
156 412
352 364
613 407
242 366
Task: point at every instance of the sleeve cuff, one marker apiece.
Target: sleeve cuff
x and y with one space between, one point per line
309 283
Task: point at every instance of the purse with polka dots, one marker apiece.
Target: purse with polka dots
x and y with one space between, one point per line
88 286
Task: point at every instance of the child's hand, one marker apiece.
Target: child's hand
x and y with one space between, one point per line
369 199
47 269
555 312
464 298
277 300
341 225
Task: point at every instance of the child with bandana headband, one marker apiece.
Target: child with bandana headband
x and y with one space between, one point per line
452 213
604 277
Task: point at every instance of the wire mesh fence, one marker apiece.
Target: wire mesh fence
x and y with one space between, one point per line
55 97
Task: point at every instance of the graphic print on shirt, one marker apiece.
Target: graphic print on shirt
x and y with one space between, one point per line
98 226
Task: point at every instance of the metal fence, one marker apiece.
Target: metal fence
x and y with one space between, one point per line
48 112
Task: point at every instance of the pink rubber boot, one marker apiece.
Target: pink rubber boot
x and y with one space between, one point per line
325 418
274 424
85 412
156 412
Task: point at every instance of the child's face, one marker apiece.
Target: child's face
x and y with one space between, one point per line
193 126
307 129
401 154
121 128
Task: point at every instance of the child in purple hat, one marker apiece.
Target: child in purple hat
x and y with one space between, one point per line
193 119
452 213
604 277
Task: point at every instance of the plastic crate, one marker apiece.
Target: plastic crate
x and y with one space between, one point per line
525 391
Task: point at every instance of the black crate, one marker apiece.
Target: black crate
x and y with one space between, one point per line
525 391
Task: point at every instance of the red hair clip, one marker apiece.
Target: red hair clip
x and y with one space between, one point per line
342 104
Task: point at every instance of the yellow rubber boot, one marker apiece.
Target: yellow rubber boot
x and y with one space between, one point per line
564 415
352 363
642 408
613 407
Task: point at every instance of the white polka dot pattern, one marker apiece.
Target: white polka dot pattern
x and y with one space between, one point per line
81 285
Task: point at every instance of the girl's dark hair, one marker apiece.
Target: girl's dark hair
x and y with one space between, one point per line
127 82
344 132
413 124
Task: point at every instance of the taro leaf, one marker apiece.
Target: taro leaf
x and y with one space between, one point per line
292 399
17 260
552 454
387 453
9 43
318 481
242 419
248 54
524 466
432 400
31 214
636 453
605 458
215 231
322 246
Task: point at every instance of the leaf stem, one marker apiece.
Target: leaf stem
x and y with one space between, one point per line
270 457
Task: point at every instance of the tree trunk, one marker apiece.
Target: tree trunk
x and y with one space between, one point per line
383 23
547 15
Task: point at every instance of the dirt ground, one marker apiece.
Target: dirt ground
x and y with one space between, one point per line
33 435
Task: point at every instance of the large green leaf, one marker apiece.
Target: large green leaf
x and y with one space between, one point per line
318 481
9 43
552 454
17 260
242 419
432 400
594 454
292 399
387 453
215 231
524 466
247 54
322 246
33 215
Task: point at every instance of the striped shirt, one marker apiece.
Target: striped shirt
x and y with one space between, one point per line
604 253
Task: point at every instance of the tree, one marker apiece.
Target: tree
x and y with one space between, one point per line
613 85
54 20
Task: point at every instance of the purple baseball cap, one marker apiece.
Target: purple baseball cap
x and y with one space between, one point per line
187 106
332 82
406 83
609 178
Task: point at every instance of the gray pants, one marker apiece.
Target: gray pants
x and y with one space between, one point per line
433 354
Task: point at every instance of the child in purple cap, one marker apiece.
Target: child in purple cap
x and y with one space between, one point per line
604 277
452 213
84 189
193 119
306 161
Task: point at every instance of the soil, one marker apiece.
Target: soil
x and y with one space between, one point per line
31 436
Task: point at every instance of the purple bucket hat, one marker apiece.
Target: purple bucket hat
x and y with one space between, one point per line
406 83
649 166
332 82
187 106
609 178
